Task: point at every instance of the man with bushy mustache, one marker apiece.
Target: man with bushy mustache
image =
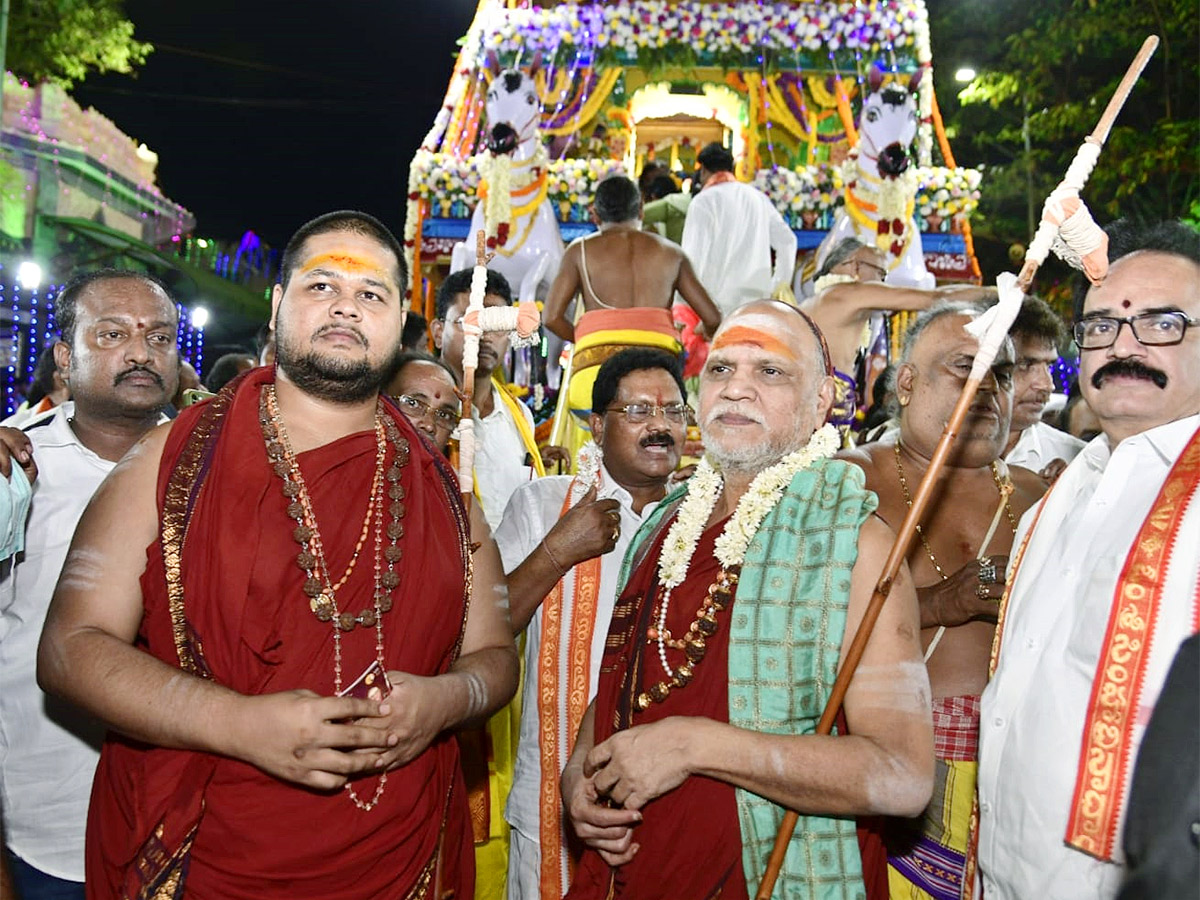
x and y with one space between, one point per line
1103 586
117 351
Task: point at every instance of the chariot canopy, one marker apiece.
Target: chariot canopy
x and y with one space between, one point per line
624 82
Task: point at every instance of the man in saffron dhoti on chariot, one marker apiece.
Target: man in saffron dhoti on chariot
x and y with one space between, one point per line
627 279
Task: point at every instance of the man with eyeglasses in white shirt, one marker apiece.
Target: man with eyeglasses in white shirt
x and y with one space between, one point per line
562 542
1103 586
426 390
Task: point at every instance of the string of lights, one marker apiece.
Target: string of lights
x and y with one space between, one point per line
28 325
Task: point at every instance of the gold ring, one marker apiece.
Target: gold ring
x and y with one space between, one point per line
982 592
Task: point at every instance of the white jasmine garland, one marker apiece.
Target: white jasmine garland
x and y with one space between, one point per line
760 498
498 207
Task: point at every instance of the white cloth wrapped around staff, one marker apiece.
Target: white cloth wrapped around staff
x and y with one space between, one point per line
471 326
1067 227
514 319
991 327
470 361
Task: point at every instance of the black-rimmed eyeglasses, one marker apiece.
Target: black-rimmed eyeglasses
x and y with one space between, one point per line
416 408
637 413
1157 329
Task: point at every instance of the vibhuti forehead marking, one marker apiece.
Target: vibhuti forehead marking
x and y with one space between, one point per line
744 334
345 261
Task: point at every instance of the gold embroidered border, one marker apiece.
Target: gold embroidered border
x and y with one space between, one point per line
181 488
552 755
1106 757
547 701
431 873
159 872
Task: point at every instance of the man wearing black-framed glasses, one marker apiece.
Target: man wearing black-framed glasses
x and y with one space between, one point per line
1102 593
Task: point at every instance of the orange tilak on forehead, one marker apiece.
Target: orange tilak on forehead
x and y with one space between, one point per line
743 334
346 262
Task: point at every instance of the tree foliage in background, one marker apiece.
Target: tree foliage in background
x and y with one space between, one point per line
63 40
1046 72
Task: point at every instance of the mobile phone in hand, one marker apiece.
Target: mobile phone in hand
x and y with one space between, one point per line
372 684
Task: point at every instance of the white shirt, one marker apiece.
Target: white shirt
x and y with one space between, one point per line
48 750
1033 711
499 457
1040 444
532 512
729 234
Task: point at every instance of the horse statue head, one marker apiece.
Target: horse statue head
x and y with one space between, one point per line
513 107
879 185
889 123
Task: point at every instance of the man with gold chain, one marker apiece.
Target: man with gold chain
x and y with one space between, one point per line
957 564
1105 585
220 601
745 589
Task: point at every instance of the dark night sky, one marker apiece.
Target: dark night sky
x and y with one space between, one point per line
266 114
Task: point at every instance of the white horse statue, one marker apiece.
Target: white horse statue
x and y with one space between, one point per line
880 184
522 231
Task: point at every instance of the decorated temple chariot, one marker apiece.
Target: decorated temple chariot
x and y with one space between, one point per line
545 99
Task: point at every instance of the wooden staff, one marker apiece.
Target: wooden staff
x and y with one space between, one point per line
522 320
994 325
1081 166
470 360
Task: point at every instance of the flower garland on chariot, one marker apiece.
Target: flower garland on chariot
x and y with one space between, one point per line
882 205
629 28
445 180
703 492
498 187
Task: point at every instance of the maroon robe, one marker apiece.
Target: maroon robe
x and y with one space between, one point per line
691 843
164 820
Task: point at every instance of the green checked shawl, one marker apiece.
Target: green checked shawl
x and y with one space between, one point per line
788 618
